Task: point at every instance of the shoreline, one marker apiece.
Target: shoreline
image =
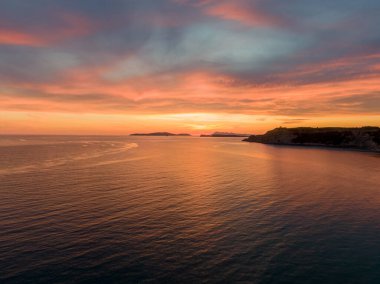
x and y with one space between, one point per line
319 146
364 138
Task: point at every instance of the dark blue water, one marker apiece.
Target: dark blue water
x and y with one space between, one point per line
186 210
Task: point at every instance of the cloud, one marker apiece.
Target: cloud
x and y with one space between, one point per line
301 59
67 26
295 120
12 37
243 12
359 103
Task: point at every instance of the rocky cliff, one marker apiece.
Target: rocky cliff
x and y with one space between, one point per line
367 138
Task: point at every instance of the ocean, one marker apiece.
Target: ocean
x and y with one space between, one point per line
110 209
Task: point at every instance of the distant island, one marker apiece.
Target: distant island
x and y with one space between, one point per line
225 134
159 134
366 138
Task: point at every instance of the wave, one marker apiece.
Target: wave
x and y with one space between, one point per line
48 164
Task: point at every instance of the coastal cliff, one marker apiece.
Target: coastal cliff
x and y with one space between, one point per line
366 138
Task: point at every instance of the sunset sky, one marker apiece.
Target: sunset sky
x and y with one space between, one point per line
196 66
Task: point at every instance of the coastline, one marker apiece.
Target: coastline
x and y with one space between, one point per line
319 146
358 139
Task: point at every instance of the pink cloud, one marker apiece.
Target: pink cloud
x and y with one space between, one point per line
72 25
14 37
190 92
239 11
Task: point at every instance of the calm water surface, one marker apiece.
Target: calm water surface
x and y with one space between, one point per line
185 210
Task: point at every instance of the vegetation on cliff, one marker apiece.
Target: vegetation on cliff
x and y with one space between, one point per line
367 138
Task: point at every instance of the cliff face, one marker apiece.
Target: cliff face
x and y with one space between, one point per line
367 138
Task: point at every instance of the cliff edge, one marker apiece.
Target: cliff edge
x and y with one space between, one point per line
366 138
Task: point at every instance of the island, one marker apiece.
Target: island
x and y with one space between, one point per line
159 134
365 138
224 134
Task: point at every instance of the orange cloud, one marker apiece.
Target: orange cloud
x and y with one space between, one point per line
12 37
72 26
195 92
238 11
198 103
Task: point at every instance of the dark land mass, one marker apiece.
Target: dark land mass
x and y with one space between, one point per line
225 134
366 138
160 134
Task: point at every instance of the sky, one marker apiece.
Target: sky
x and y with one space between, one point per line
195 66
